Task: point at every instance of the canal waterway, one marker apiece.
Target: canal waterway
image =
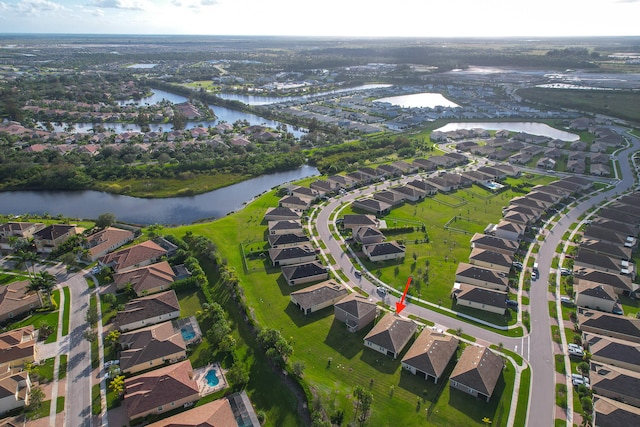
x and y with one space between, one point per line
176 210
532 128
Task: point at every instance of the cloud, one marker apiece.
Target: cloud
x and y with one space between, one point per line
209 2
34 7
120 4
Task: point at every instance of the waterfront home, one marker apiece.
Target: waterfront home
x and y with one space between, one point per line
146 280
52 236
107 240
319 296
298 274
281 214
287 240
477 372
21 230
390 335
139 255
356 311
286 226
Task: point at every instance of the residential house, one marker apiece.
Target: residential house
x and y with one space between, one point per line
160 390
341 181
377 207
619 216
609 325
480 298
610 413
506 230
484 277
405 167
305 193
588 259
321 186
304 273
281 214
457 180
390 335
353 222
16 300
368 235
621 284
486 258
287 226
495 244
583 184
429 189
615 383
442 161
535 214
543 163
148 310
607 235
519 218
107 240
356 311
151 347
135 256
495 173
234 410
440 184
508 170
295 203
603 248
15 387
410 193
430 354
146 280
595 295
599 169
287 240
477 372
22 230
390 197
292 255
52 236
17 347
388 171
384 251
613 351
477 177
319 296
425 164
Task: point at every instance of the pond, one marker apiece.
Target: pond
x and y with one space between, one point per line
170 211
419 100
532 128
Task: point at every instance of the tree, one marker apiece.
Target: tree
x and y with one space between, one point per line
113 338
92 315
105 220
109 299
90 335
583 367
36 397
117 385
298 369
238 374
25 258
227 344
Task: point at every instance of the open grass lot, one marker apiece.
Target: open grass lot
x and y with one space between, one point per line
335 360
164 187
190 302
612 103
9 278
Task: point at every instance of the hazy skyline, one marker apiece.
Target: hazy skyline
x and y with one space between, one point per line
363 18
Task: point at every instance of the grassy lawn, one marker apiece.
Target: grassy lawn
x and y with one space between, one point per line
109 311
67 311
45 370
38 319
62 372
317 338
9 278
190 302
59 404
523 398
55 297
43 411
96 404
559 363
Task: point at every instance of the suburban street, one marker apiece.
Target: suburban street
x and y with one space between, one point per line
541 360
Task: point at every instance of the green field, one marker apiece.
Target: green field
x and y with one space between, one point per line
335 360
611 103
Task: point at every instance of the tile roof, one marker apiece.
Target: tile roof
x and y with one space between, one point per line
286 224
213 414
101 241
619 381
299 271
146 278
481 295
15 296
356 305
610 413
611 348
150 343
471 271
159 387
147 307
610 322
385 248
488 256
595 290
133 255
291 252
53 231
17 344
287 239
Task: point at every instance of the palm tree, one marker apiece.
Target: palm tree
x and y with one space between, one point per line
47 281
24 258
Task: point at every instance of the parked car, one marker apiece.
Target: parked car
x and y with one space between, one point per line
358 273
534 275
575 350
567 300
111 362
517 265
513 304
565 272
96 269
577 379
381 290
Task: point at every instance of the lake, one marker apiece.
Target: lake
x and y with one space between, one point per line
532 128
419 100
176 210
265 100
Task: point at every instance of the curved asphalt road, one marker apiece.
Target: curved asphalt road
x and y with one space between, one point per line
541 360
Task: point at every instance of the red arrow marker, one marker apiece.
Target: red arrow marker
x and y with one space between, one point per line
400 305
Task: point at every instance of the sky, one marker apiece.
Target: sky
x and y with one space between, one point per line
341 18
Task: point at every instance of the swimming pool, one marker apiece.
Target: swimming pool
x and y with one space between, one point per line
212 378
492 185
187 332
